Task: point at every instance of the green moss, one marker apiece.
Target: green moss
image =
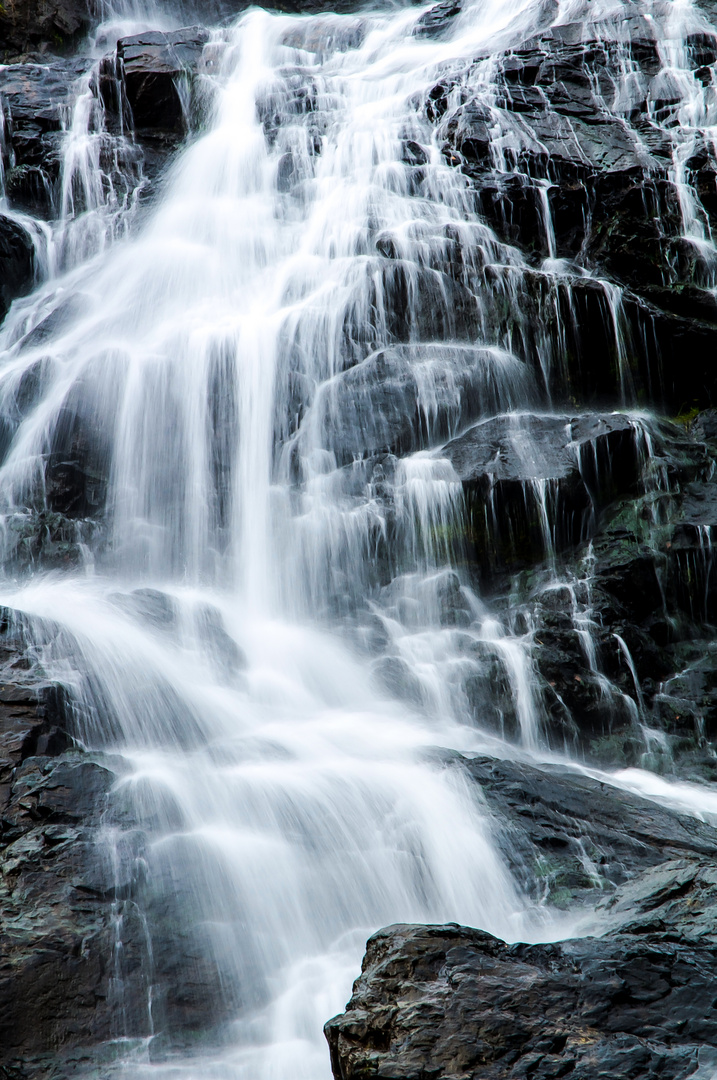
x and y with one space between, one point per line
686 417
561 898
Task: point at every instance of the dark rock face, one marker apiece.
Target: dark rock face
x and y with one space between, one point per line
17 262
144 87
535 483
408 397
55 901
42 25
451 1002
600 171
620 628
152 68
37 99
75 906
570 839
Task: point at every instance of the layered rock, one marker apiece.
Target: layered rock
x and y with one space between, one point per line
570 158
408 397
622 636
56 899
37 99
154 71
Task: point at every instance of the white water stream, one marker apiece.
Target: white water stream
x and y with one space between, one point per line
295 803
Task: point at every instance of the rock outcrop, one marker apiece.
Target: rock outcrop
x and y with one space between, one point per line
37 98
571 839
154 72
568 158
535 484
56 900
638 1001
43 25
17 262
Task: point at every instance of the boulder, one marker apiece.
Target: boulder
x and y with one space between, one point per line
637 1001
534 483
152 67
17 262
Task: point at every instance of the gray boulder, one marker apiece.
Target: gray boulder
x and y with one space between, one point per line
450 1002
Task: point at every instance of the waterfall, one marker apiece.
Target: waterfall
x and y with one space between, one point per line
264 379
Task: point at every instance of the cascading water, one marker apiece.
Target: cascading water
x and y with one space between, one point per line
271 625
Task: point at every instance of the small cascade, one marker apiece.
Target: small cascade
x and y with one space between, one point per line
101 178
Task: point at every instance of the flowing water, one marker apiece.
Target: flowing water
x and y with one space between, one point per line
267 627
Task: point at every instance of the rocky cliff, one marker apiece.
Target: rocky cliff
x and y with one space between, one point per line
580 280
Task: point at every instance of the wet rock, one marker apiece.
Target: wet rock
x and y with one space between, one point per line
535 484
618 630
37 98
222 650
704 426
408 397
56 926
17 262
75 898
413 304
56 976
452 1001
685 707
437 20
566 136
367 632
394 676
42 25
78 463
571 839
562 167
488 689
155 67
43 538
151 606
676 366
628 573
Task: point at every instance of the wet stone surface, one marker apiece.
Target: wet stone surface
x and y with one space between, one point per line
564 282
73 892
571 838
535 484
37 98
454 1002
